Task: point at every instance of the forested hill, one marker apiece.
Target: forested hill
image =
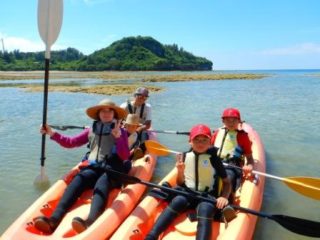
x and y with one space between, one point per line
131 53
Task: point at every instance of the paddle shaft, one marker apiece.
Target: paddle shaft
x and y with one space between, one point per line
297 225
287 180
45 108
202 198
308 187
66 127
170 132
133 179
256 172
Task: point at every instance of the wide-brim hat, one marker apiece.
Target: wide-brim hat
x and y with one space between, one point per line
132 119
93 112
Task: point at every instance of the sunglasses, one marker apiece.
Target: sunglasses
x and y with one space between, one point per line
140 96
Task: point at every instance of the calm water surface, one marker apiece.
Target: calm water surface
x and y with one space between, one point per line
284 108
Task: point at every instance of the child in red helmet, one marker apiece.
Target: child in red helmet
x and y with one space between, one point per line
233 144
196 170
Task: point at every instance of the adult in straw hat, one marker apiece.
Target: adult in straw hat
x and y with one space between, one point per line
93 112
140 107
103 137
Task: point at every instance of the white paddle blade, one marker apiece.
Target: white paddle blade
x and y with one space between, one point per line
50 14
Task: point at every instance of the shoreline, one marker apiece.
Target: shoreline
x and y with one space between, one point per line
112 82
96 89
148 76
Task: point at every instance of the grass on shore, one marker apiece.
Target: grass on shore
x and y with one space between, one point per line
143 76
96 89
117 78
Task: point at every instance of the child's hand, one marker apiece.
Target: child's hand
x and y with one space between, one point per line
179 163
247 170
116 132
221 202
46 130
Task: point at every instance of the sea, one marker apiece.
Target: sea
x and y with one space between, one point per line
283 107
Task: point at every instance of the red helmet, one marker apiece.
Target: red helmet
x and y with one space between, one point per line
199 129
231 112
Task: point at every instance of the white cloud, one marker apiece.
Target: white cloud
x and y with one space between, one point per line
299 49
12 43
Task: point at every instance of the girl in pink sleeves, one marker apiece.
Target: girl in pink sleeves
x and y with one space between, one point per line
108 144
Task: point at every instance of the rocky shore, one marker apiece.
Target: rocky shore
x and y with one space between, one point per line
115 83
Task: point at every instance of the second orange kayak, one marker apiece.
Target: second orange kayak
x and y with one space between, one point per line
250 195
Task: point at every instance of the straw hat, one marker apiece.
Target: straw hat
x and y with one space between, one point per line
132 119
93 112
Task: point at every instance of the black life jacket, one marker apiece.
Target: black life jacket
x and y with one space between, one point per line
134 109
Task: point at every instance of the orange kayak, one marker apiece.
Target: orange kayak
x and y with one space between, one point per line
120 203
250 195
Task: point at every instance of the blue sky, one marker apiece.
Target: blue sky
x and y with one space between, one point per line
234 34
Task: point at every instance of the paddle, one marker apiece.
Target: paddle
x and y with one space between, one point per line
296 225
49 25
66 127
170 132
307 186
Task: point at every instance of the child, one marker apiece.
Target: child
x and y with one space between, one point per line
131 125
108 145
233 143
196 172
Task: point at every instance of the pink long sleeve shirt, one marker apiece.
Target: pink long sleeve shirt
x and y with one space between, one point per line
83 138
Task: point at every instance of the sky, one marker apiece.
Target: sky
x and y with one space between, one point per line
233 34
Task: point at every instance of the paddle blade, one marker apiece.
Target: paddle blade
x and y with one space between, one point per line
156 148
298 225
306 186
42 181
49 20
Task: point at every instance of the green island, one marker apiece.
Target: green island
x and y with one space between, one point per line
128 54
138 60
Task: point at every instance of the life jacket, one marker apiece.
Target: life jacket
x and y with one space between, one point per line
199 172
133 140
101 146
133 109
227 143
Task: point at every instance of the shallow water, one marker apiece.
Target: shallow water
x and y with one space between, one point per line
283 108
